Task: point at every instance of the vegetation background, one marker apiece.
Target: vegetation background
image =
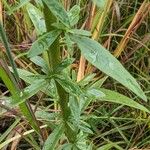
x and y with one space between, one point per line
31 114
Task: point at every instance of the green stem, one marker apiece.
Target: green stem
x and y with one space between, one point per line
25 106
54 59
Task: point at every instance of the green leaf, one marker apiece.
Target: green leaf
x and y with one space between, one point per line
85 127
90 95
99 82
74 105
58 11
59 26
39 3
106 62
74 15
28 77
80 32
86 80
94 93
42 114
37 18
34 88
111 96
53 138
100 3
64 64
29 91
68 85
43 43
40 62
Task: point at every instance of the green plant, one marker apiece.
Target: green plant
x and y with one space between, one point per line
55 78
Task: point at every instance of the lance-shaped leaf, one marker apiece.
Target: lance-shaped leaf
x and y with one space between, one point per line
53 139
114 97
68 85
74 15
58 11
37 18
43 43
97 55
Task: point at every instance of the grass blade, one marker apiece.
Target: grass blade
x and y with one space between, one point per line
8 52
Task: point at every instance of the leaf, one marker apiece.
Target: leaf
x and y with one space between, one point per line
85 127
99 82
86 80
111 96
94 93
64 64
53 139
34 88
74 15
90 95
80 32
59 26
68 85
40 62
100 3
42 114
37 18
39 3
58 11
43 43
67 146
106 62
29 91
28 77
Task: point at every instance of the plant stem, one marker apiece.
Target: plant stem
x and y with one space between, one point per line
54 59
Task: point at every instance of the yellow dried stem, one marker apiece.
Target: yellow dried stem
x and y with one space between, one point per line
82 63
1 11
99 27
136 22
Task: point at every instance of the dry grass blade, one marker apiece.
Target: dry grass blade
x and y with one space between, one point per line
19 136
99 27
16 142
1 11
88 24
136 22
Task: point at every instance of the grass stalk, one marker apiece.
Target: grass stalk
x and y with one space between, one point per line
13 83
136 22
